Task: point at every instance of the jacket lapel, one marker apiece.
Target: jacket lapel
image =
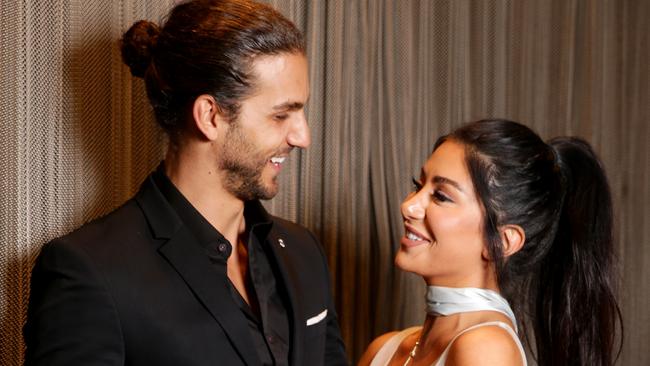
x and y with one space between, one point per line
193 265
289 277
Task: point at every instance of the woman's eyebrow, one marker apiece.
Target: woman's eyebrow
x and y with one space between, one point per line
442 180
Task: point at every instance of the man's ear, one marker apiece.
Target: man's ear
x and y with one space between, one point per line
207 116
512 239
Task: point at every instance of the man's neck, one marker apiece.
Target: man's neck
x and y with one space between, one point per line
201 183
197 178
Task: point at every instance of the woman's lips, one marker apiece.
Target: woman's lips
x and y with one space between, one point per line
413 237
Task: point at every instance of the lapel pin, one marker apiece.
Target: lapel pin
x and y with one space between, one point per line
281 242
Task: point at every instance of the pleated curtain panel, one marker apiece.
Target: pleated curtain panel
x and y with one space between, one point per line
77 135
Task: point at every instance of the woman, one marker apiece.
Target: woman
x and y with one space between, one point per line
497 213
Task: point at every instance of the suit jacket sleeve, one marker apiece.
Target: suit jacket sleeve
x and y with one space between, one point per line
334 349
71 317
334 346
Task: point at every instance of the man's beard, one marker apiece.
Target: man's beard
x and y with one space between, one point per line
243 165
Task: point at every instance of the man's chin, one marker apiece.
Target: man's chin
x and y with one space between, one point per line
268 188
261 192
269 192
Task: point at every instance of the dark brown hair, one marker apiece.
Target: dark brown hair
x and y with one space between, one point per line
564 276
205 47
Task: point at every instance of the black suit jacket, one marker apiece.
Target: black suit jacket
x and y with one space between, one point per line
134 288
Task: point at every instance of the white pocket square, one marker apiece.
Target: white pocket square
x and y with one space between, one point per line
317 319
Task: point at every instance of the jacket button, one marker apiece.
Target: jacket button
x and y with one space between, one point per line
223 247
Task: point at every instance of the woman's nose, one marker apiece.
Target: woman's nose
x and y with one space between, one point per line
412 207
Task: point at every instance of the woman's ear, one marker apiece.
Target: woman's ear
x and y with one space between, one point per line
207 116
512 238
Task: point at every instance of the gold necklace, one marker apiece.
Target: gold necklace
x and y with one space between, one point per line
424 333
412 353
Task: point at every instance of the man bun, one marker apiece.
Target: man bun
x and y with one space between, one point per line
137 45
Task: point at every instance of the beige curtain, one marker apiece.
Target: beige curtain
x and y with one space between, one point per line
387 77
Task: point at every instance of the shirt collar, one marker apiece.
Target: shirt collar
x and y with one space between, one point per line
258 220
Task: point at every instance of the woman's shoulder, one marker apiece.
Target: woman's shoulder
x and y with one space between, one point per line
379 342
493 343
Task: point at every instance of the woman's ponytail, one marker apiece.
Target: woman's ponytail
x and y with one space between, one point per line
576 309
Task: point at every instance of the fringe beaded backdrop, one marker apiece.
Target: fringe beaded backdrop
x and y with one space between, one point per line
387 77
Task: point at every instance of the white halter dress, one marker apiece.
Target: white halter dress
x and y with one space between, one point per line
444 301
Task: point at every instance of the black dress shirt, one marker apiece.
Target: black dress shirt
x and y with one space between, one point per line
268 321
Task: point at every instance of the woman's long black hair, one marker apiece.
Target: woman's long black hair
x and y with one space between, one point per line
563 279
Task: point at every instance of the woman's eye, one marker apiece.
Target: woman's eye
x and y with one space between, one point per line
440 197
416 185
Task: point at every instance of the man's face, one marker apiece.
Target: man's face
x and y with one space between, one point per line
271 122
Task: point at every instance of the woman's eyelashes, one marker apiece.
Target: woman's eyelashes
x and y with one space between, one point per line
440 197
437 194
416 184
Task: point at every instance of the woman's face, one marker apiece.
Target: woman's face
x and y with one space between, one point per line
443 237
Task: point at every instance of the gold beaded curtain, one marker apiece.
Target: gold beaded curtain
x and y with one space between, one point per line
387 76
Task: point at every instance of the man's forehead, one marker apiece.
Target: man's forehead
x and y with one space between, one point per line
282 78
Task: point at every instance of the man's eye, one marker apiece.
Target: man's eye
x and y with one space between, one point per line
280 117
416 184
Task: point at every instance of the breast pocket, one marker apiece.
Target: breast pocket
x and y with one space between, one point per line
315 337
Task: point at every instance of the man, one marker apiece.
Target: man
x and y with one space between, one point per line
193 270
